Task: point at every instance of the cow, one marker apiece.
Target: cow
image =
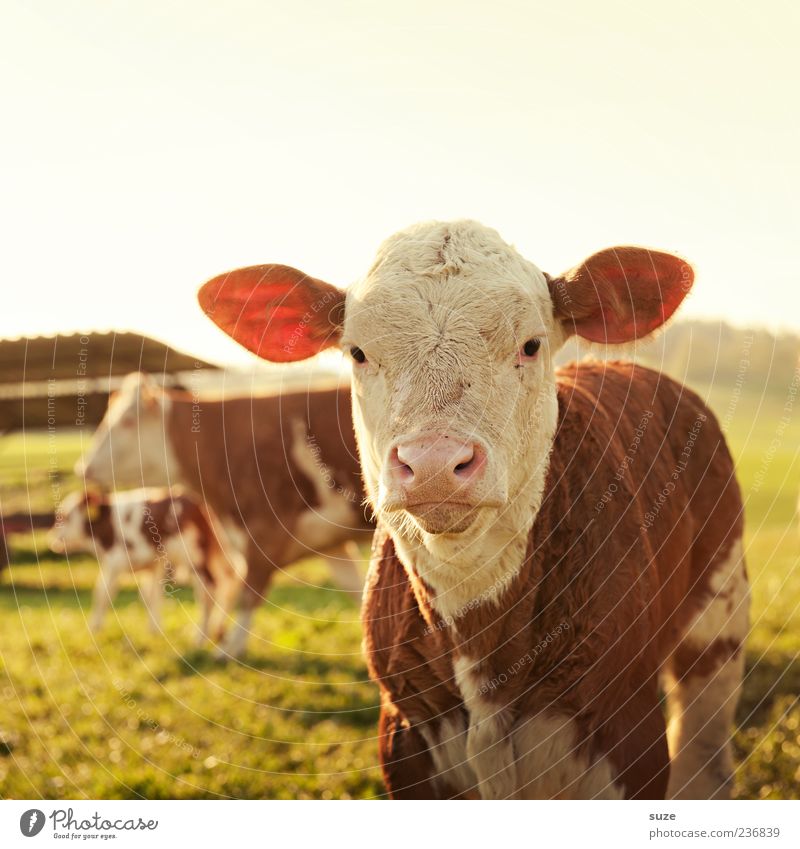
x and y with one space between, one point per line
280 472
156 535
553 546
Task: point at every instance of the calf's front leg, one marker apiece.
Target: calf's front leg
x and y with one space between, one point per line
406 762
104 593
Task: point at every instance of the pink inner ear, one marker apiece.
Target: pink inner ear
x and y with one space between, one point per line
275 311
622 294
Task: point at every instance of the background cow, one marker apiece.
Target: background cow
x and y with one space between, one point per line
156 535
281 473
549 544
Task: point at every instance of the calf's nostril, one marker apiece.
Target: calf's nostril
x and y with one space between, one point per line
465 459
400 468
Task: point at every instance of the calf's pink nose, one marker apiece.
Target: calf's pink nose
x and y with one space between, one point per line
435 467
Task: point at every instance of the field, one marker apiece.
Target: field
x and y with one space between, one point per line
130 714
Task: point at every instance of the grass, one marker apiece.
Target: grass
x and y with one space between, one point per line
130 714
134 714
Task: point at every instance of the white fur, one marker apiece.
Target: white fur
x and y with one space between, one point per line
490 744
447 743
550 768
524 758
701 708
319 528
236 639
728 586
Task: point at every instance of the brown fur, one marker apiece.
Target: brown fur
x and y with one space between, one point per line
100 528
627 592
167 516
237 457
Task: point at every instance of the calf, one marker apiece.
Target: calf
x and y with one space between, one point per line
552 546
280 472
154 534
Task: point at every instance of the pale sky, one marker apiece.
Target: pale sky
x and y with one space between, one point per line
148 146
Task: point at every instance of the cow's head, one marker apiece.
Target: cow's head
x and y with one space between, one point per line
452 335
130 448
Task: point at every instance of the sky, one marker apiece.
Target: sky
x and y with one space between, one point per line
148 146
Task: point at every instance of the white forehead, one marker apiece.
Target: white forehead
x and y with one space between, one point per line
129 395
461 261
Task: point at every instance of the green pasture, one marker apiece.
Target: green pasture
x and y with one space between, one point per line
130 714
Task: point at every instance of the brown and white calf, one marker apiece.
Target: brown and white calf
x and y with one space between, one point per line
280 472
553 546
154 534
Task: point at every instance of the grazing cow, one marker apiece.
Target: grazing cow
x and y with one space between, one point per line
154 534
552 545
280 472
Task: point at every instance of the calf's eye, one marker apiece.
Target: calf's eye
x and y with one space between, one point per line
531 347
358 355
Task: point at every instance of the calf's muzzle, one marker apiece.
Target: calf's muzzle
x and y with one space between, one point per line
434 468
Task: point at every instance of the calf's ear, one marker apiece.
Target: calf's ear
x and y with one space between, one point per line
93 500
620 294
275 311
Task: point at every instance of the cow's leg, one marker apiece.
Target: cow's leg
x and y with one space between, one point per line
406 762
236 639
229 588
343 562
227 567
105 591
702 680
260 571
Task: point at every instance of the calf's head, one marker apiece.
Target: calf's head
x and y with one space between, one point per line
75 518
130 448
452 335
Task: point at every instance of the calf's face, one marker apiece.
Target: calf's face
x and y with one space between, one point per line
72 529
451 334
